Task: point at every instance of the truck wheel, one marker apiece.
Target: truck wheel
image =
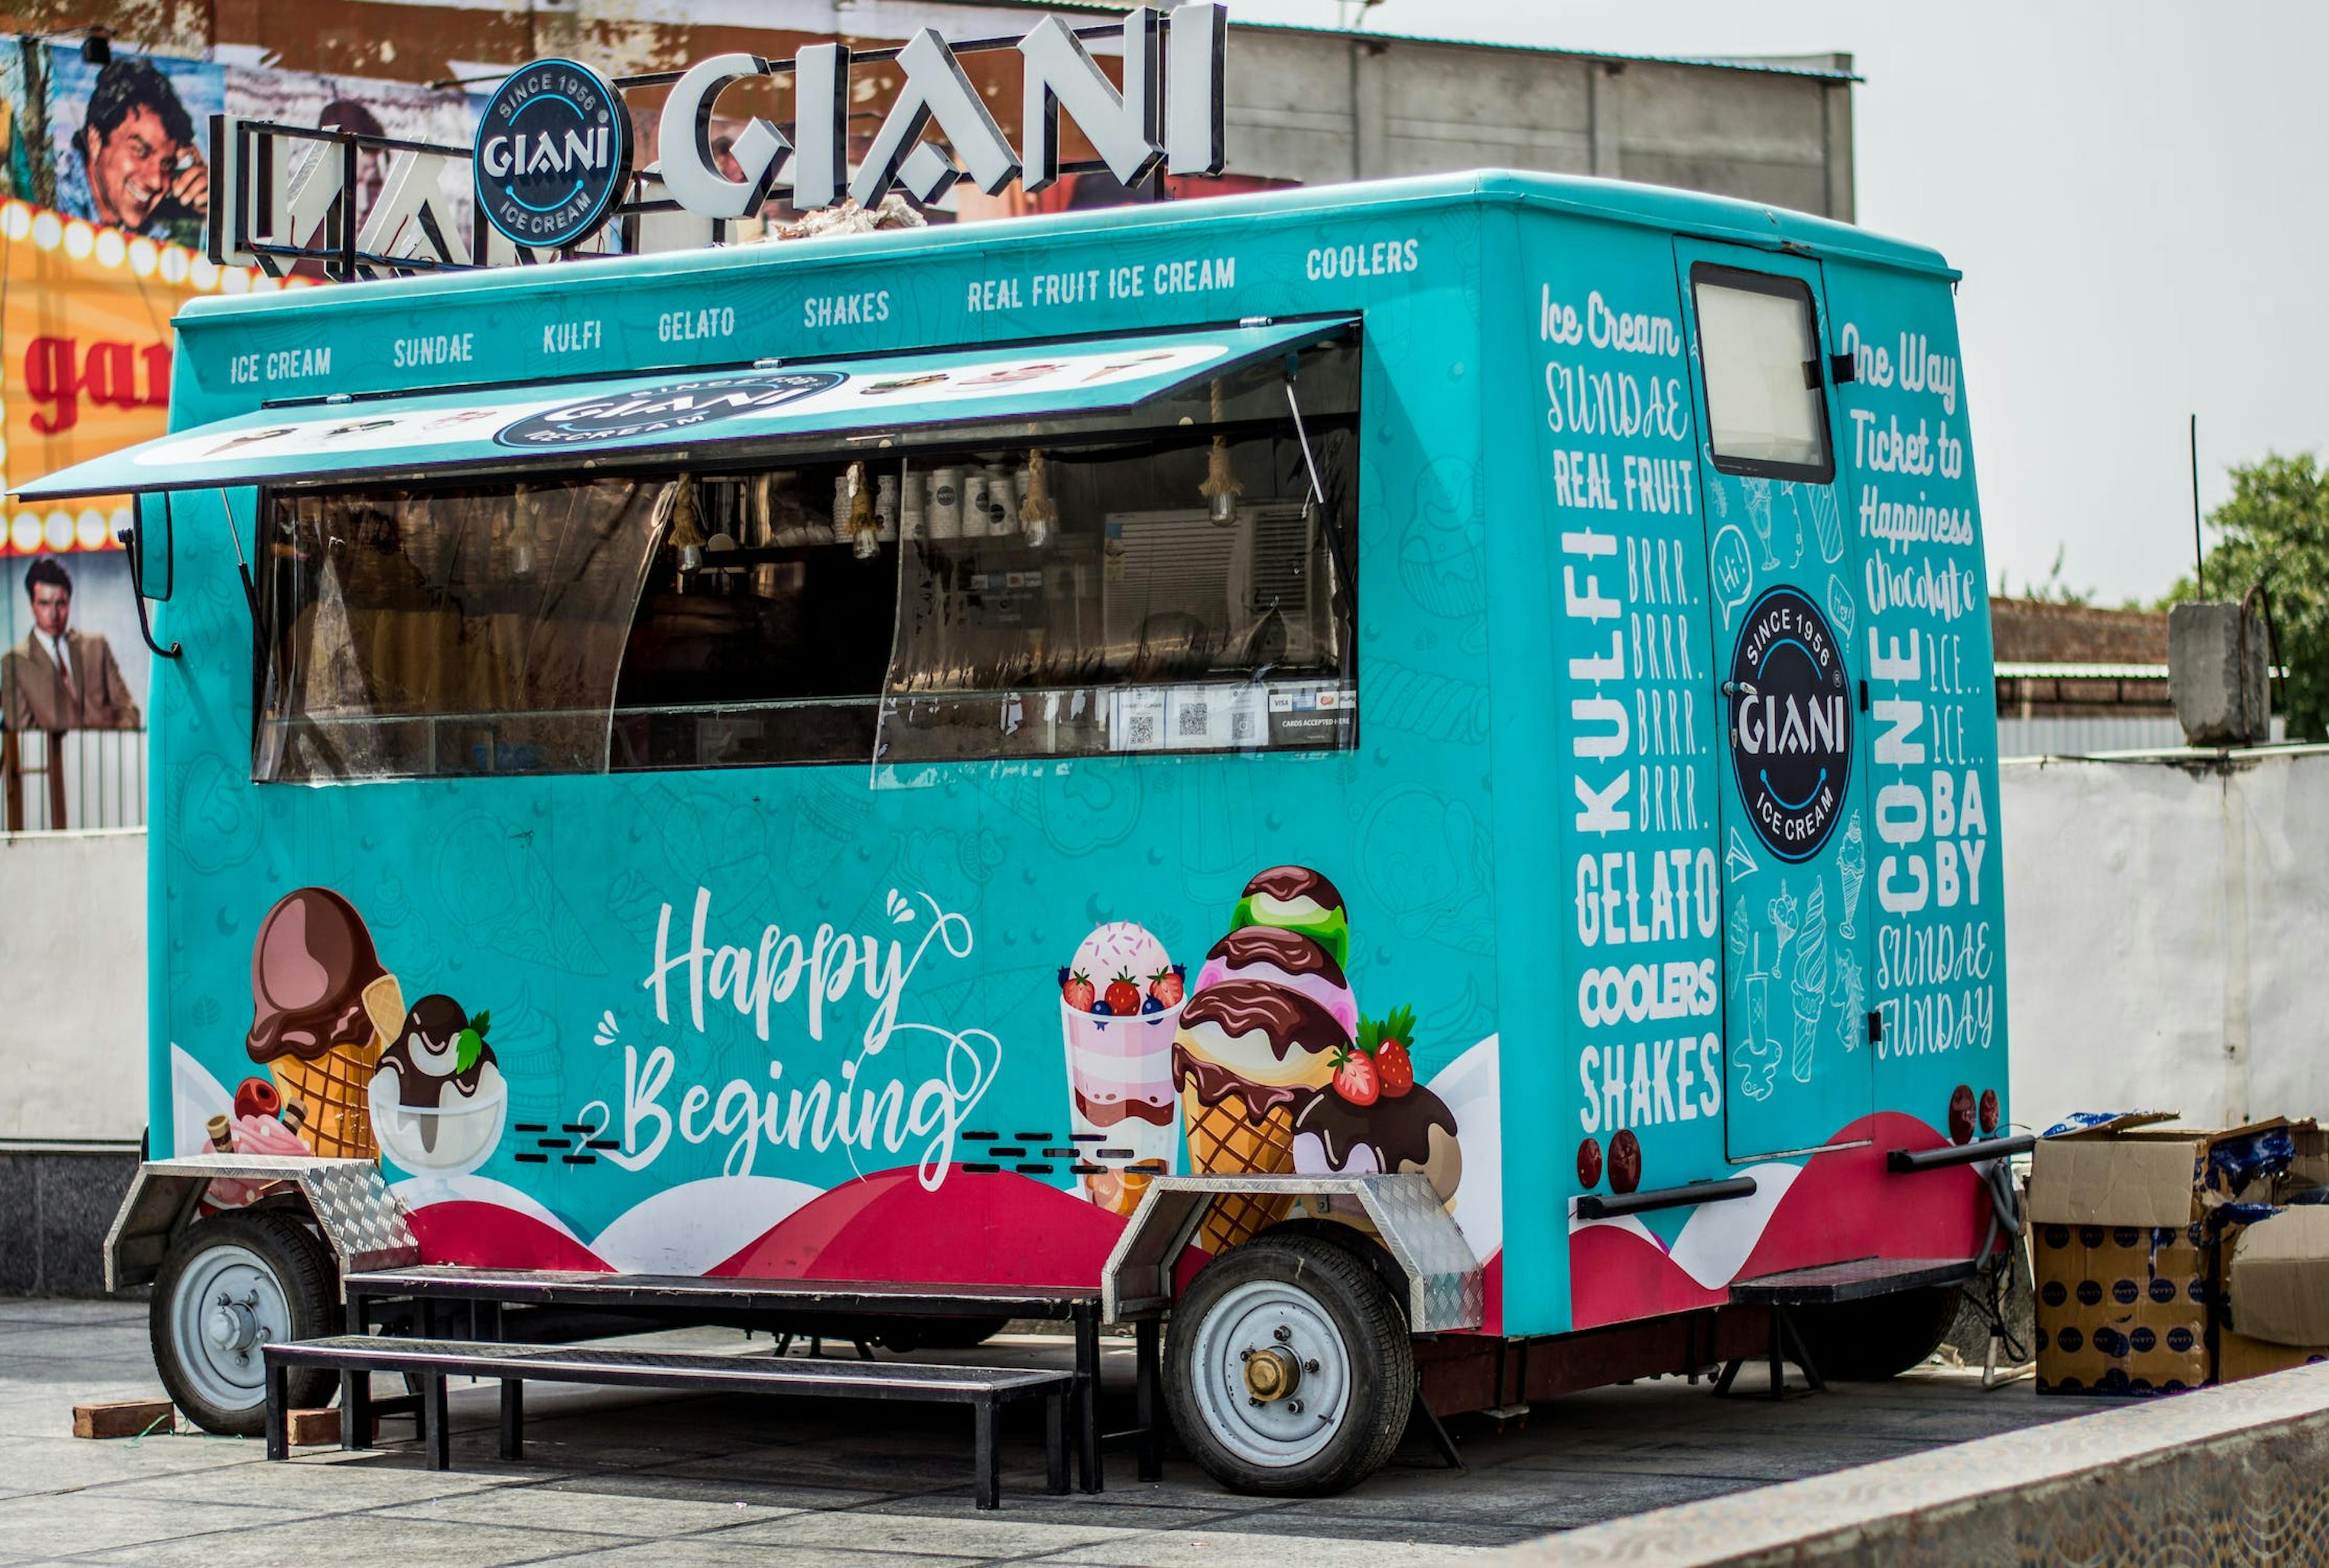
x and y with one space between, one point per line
230 1284
1881 1337
1289 1370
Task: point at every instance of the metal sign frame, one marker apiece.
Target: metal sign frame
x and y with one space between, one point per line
281 212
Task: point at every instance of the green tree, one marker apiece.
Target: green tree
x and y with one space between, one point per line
2275 530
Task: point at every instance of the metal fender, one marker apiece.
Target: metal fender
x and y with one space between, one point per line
361 1220
1444 1286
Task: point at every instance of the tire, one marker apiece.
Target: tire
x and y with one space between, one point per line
1310 1304
280 1285
1884 1336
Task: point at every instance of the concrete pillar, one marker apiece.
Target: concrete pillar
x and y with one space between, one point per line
1837 96
1371 66
1601 85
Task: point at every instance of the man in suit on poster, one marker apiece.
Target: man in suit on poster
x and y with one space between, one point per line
58 678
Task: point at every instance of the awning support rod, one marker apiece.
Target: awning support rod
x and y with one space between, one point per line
249 586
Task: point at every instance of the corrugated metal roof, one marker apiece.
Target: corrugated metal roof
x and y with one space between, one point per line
1711 61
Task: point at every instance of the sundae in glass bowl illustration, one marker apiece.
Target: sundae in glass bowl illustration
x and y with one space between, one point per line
1119 1007
439 1099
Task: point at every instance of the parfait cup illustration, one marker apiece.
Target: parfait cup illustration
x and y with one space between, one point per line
1120 1002
324 1008
439 1097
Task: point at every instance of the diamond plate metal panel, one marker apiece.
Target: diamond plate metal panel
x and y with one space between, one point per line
360 1218
1446 1290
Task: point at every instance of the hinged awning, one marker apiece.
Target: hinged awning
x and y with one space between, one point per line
570 425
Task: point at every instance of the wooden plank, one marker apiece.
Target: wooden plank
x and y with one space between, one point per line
309 1427
123 1418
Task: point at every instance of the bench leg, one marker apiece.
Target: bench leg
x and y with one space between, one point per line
1087 1323
987 1481
436 1427
1055 1443
1149 1384
355 1409
1803 1356
513 1418
279 1421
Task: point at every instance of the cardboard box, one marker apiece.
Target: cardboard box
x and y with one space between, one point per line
2122 1310
2239 1356
2276 1301
2125 1254
2310 1168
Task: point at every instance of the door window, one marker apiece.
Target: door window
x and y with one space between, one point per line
1760 344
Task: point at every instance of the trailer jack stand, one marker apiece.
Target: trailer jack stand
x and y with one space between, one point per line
1437 1434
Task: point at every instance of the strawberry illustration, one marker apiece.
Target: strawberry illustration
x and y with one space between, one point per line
1076 990
1385 1040
1168 985
1354 1077
1123 995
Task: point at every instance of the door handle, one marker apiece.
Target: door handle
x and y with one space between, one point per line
1739 689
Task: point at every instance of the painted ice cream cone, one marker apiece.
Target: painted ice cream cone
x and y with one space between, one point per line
319 998
333 1087
1225 1140
1247 1054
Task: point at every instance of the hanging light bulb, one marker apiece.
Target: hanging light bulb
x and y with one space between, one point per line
1222 487
521 539
686 530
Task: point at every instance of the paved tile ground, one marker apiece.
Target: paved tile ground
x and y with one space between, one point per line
625 1476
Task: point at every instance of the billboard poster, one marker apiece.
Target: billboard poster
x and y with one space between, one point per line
73 658
404 111
128 138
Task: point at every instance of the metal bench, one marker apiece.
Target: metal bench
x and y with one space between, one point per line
449 1297
1856 1280
986 1389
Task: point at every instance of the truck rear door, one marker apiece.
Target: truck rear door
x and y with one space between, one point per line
1782 566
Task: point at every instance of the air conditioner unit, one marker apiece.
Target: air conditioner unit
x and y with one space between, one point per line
1183 596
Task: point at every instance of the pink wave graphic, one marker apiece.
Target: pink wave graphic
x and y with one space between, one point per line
489 1236
999 1229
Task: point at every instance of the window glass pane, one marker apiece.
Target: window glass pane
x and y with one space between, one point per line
1755 344
475 630
768 645
1166 581
1140 616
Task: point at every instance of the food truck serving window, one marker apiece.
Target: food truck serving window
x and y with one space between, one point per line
1759 343
1174 576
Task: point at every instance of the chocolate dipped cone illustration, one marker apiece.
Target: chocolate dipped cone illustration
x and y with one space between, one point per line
1247 1054
322 1009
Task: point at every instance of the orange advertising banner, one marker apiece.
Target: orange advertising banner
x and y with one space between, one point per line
85 347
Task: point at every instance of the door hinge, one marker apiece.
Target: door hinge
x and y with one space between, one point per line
1843 368
1875 1028
1864 697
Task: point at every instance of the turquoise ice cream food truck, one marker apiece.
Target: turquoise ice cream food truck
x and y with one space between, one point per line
1399 778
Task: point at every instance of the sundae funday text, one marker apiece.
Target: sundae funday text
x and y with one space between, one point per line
851 1107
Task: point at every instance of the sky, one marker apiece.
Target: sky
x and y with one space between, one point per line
2133 191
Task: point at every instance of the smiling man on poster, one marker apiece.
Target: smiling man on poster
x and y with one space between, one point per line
145 168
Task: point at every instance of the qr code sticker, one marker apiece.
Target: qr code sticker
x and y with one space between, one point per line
1140 729
1192 720
1244 725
